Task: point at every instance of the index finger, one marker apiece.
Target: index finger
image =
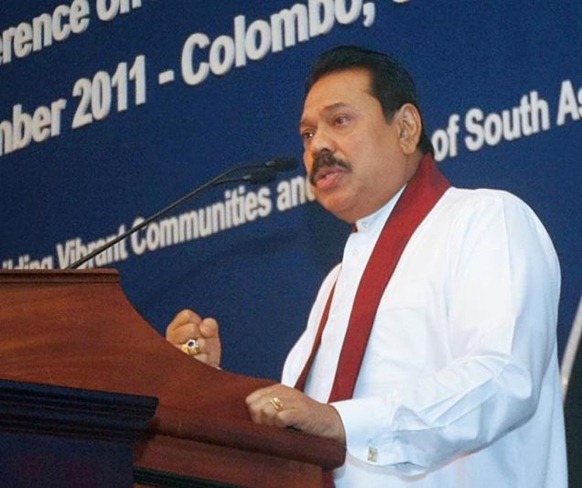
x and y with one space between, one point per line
186 316
184 326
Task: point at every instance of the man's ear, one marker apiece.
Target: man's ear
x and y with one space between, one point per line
409 128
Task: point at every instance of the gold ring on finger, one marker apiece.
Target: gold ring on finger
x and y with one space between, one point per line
191 347
277 404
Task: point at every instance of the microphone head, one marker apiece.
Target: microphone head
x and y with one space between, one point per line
260 176
282 164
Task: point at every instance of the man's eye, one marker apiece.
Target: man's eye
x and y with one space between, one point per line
341 120
306 135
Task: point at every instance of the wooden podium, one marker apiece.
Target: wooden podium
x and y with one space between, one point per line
91 395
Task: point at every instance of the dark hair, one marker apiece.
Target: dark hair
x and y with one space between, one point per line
392 85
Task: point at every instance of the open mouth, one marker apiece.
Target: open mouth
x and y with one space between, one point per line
327 176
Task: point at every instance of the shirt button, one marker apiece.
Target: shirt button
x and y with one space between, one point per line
372 455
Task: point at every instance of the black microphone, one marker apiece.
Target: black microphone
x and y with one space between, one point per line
261 176
282 164
253 174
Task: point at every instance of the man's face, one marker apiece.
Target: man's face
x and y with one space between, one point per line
352 155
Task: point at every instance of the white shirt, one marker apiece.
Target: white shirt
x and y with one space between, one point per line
459 386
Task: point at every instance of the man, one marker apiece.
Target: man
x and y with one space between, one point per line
430 350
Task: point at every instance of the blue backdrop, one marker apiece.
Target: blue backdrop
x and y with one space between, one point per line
111 109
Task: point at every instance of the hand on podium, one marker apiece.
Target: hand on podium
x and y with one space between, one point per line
285 407
277 405
196 337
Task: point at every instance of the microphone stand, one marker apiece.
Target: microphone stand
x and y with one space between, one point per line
255 174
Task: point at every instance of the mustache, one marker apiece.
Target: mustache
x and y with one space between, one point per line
326 159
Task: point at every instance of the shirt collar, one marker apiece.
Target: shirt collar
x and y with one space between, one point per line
380 216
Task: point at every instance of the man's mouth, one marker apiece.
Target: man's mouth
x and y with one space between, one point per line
326 176
326 170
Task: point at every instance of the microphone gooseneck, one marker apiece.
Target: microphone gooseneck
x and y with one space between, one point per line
252 174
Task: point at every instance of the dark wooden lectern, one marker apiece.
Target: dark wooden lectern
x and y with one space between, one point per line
79 366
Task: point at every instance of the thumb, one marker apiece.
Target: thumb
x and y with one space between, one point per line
209 328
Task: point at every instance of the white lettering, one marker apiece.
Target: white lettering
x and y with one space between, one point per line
24 128
258 40
293 22
26 262
445 142
38 34
530 117
569 106
347 16
294 192
107 10
75 249
221 55
321 17
283 30
191 76
239 207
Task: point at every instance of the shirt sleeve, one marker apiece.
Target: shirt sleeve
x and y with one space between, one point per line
501 299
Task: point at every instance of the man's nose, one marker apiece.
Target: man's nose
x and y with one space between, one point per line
322 140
